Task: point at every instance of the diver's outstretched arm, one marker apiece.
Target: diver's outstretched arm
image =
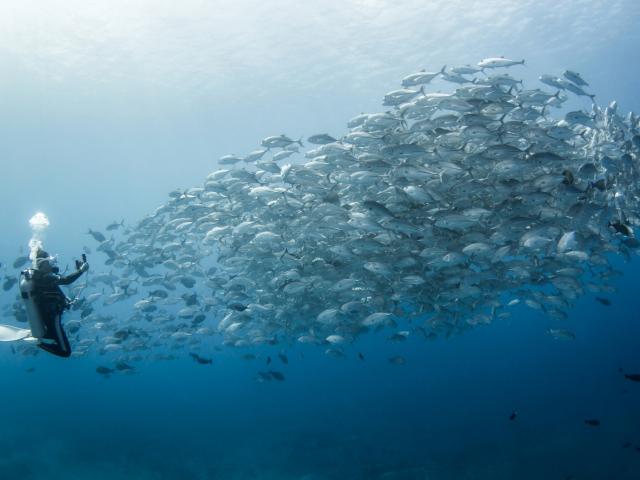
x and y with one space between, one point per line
69 279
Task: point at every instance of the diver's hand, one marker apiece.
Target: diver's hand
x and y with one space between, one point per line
82 266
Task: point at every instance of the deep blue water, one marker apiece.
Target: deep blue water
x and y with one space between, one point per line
102 113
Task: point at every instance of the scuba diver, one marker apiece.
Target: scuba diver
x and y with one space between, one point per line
45 302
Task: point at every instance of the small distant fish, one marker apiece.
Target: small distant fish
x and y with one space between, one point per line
335 339
421 77
604 301
578 91
282 155
360 356
634 377
248 356
496 62
321 139
626 444
377 208
229 159
513 415
124 367
255 155
276 375
106 371
561 334
465 70
201 360
20 262
399 336
97 236
280 141
115 225
268 360
30 370
159 293
190 299
9 282
334 352
283 358
575 78
592 422
397 360
238 307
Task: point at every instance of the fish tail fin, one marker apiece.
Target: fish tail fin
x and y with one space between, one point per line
583 135
441 72
299 142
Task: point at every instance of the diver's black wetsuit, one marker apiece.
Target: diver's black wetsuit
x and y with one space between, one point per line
51 303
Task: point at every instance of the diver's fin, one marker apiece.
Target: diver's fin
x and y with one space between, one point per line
9 333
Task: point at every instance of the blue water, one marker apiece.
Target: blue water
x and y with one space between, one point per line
105 110
444 414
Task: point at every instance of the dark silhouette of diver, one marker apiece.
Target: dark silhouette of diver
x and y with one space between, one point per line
51 302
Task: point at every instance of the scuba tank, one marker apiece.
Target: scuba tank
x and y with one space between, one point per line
36 322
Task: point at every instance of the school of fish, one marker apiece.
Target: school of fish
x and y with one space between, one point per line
439 214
